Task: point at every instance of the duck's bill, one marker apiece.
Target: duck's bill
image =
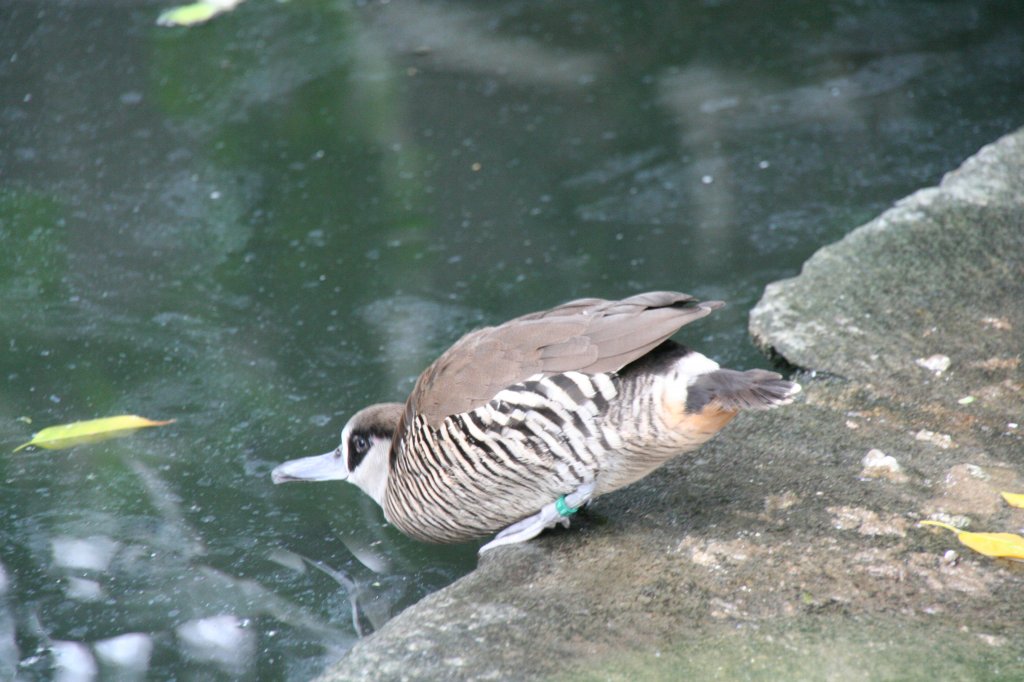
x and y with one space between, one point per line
327 467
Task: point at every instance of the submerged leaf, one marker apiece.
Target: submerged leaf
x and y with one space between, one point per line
92 431
1004 545
1014 499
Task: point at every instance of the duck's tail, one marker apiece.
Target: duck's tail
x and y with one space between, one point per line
731 390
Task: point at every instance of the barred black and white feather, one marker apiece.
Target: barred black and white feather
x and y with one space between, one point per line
588 394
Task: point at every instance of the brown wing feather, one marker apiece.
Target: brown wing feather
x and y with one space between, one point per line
588 335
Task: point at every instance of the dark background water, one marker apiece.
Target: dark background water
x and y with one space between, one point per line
259 225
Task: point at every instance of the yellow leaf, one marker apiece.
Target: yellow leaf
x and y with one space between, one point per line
1014 499
196 13
188 15
92 431
1005 545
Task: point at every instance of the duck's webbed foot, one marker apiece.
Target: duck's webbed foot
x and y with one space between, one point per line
557 512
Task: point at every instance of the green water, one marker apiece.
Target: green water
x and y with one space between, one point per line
257 226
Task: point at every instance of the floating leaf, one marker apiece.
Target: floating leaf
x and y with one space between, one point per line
1005 545
92 431
187 15
1014 499
196 13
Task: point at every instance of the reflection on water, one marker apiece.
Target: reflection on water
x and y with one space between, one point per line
258 226
129 653
72 662
221 640
92 553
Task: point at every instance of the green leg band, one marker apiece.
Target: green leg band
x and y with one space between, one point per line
562 508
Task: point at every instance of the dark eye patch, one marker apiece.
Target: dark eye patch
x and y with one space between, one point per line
361 442
358 446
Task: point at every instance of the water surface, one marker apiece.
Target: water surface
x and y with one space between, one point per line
257 226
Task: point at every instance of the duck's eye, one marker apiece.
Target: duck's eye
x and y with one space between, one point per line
360 444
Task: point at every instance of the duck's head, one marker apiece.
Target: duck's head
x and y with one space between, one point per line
361 457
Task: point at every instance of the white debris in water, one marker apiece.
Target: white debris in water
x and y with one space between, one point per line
83 589
220 640
131 650
93 553
934 363
73 662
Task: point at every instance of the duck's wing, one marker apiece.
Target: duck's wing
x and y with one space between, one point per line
588 335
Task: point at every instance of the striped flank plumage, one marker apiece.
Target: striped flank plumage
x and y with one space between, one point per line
562 405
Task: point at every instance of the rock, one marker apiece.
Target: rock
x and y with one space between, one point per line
942 269
974 490
942 440
774 555
867 522
877 464
936 363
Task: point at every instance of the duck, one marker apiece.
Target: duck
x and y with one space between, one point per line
516 426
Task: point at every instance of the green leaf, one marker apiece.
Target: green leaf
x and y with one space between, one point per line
92 431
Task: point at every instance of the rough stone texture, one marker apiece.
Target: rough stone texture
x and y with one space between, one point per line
788 548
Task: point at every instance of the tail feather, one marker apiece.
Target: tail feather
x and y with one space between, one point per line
755 389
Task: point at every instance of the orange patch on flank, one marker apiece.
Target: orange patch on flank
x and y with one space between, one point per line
710 420
706 423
